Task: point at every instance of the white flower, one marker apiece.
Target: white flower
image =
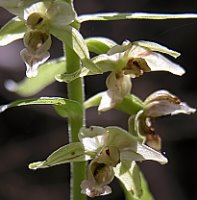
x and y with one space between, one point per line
131 60
40 18
112 145
135 58
160 103
36 52
118 86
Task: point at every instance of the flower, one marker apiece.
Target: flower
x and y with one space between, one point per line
112 152
112 146
119 86
40 19
135 58
36 52
159 103
131 60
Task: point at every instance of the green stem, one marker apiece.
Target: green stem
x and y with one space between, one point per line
75 92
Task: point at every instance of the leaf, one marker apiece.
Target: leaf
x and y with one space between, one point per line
157 47
12 31
128 173
68 77
46 76
99 45
146 195
133 182
73 152
140 15
72 108
71 37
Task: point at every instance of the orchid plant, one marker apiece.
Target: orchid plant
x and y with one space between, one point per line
98 154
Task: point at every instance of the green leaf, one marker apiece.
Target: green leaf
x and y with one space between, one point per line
12 31
142 15
46 76
71 108
73 152
71 37
99 45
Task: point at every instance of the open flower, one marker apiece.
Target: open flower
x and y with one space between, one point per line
131 60
112 146
111 151
118 86
40 18
36 52
160 103
135 58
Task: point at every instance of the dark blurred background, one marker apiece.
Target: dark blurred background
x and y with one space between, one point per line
30 133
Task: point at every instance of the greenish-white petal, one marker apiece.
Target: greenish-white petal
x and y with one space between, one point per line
13 30
158 62
93 138
112 62
73 152
162 102
142 152
61 13
157 47
46 76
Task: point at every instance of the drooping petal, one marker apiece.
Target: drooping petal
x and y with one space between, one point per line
88 188
142 152
36 52
98 177
155 61
163 103
33 61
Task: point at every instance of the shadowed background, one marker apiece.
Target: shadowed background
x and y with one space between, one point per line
30 133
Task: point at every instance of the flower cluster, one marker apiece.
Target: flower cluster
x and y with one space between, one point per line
111 151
